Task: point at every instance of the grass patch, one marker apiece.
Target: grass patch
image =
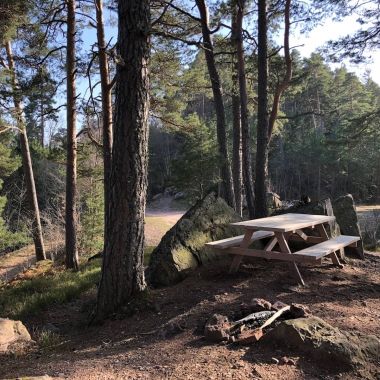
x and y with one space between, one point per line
48 286
147 253
44 285
48 340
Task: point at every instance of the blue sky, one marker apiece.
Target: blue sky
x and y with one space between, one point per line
309 42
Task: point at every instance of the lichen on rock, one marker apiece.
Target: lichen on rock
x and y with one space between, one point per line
183 246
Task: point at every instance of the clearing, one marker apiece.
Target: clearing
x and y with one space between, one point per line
163 337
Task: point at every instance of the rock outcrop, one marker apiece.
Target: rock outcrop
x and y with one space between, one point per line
343 208
345 213
183 246
12 334
325 343
322 207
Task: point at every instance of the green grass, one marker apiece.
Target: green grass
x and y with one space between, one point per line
148 252
46 286
29 296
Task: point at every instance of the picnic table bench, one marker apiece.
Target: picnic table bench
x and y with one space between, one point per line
280 229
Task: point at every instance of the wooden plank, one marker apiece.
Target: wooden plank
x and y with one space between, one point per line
285 222
270 255
333 256
285 248
236 240
323 249
302 235
271 244
245 244
276 315
310 239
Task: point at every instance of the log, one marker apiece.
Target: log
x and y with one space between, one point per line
254 335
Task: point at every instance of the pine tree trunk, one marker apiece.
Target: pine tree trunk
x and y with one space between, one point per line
261 208
31 192
246 138
123 270
106 110
72 260
237 168
237 152
225 167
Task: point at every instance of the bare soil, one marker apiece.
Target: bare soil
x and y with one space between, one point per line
163 339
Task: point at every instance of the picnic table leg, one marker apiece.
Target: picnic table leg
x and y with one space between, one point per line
236 261
333 256
285 248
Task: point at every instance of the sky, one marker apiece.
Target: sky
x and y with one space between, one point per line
309 42
332 30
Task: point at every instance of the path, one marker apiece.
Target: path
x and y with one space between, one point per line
157 224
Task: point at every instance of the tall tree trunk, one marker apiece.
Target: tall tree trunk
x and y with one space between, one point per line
261 208
31 193
72 260
246 138
225 167
106 88
237 168
123 271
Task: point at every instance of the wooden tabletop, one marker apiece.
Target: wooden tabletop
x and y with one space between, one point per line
285 222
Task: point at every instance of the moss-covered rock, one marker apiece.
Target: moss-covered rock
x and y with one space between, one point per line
325 343
345 213
321 207
183 246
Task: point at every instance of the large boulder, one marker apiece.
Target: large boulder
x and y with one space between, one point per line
12 334
345 213
322 207
183 246
343 208
325 343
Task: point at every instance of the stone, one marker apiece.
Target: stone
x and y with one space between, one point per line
285 360
278 305
259 304
299 311
273 201
179 195
319 340
322 207
250 336
183 249
217 329
12 333
345 213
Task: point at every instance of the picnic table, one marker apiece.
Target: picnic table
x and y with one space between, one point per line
280 229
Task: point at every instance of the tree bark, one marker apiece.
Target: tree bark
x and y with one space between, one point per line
236 125
72 260
31 193
123 271
261 208
225 167
246 138
106 110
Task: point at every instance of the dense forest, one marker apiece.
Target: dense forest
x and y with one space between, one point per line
225 103
189 189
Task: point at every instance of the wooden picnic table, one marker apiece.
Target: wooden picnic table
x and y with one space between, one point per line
280 229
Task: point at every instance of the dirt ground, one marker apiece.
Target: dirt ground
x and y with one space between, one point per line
164 339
